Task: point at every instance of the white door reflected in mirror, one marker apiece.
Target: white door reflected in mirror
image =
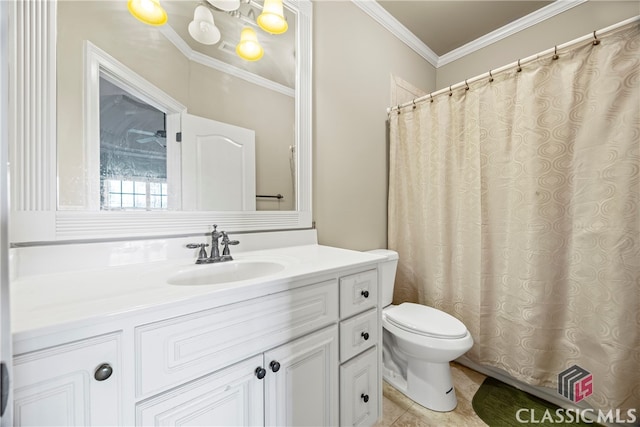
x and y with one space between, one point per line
218 166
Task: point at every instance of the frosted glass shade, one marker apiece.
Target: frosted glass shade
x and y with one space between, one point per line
226 5
202 28
272 17
249 48
148 11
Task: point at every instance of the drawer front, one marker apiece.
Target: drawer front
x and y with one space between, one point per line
358 292
360 390
184 348
358 334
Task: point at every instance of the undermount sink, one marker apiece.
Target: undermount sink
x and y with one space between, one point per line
224 272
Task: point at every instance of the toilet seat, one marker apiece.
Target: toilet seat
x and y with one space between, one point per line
427 321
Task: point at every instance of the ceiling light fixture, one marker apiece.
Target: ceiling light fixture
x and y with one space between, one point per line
202 28
272 17
249 48
148 11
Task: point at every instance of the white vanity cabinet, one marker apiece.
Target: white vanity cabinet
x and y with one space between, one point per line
295 384
302 351
299 378
75 384
359 349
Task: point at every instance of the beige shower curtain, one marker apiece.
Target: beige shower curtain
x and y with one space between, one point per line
514 206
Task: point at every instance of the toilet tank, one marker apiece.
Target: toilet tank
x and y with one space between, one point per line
388 273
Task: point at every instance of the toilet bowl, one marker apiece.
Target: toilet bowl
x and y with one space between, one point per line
418 344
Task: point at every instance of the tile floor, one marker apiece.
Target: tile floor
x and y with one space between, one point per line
399 411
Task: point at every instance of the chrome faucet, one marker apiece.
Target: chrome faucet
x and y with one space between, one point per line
215 249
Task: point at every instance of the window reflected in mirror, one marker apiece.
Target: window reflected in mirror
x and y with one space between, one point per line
133 151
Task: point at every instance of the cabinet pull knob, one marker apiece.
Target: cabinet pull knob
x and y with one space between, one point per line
275 366
364 397
365 335
260 372
103 372
365 293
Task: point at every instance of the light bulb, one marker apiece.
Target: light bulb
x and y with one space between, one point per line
148 11
272 17
249 48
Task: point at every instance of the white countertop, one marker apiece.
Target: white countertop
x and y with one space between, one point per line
85 296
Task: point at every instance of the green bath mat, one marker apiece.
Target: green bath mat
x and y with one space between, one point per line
500 405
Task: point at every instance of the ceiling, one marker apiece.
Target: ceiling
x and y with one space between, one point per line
447 25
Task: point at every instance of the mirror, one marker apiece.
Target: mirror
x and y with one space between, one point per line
39 139
265 105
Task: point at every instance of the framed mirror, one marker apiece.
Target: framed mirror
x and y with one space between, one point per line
273 103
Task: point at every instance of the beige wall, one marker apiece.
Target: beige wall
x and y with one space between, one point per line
569 25
353 60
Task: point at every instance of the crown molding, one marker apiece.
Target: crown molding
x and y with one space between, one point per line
380 15
523 23
222 66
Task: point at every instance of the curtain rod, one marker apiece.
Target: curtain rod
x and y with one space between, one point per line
519 62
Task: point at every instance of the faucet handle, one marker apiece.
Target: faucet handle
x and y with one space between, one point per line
226 242
203 252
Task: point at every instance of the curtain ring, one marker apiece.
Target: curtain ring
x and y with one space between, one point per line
490 77
450 93
431 96
414 103
519 67
467 84
595 42
555 53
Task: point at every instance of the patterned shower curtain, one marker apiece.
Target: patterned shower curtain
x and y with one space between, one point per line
514 206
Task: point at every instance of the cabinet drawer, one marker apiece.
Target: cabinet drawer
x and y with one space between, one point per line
358 292
184 348
358 333
359 390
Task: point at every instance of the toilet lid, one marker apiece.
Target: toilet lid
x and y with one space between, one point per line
424 320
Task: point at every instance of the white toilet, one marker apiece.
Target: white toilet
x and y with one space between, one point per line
418 344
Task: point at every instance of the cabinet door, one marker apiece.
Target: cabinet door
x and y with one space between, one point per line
60 386
303 390
359 390
233 396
